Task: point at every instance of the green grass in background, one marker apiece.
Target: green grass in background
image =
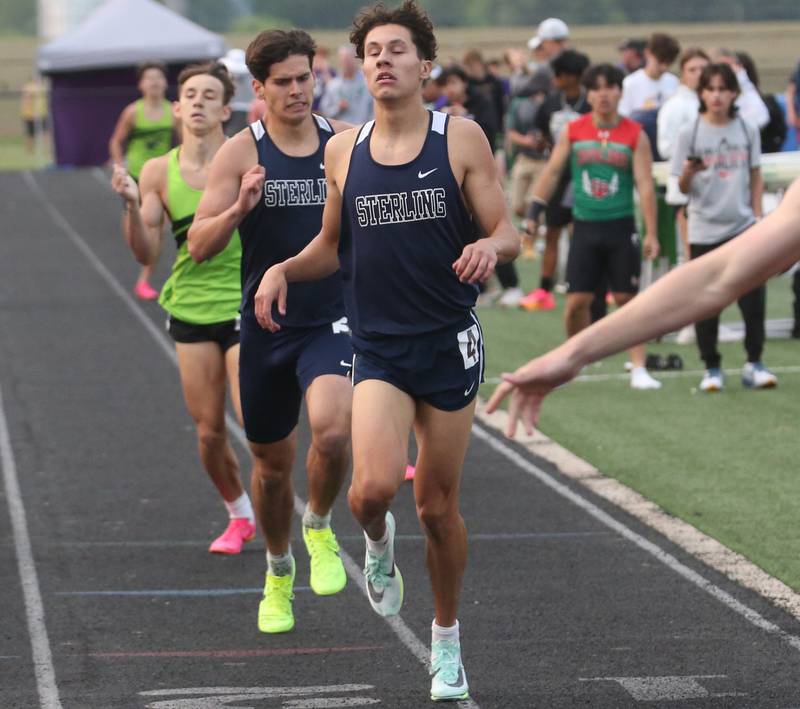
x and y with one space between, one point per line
727 463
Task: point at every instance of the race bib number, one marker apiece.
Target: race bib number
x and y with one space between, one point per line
469 342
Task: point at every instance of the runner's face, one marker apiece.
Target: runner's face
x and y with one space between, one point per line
392 67
603 97
200 106
717 97
153 84
288 91
690 74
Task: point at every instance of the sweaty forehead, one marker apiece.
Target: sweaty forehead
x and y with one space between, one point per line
386 34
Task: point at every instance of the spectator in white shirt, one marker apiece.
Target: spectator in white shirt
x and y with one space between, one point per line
682 107
649 87
646 90
679 111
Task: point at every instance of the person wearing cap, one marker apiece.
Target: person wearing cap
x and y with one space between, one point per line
631 55
549 41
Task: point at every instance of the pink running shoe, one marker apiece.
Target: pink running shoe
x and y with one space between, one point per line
144 291
539 299
410 471
239 531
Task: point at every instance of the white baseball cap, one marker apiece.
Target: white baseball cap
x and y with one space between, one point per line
551 28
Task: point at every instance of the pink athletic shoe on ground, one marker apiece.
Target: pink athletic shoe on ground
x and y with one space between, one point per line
144 291
233 538
410 471
539 299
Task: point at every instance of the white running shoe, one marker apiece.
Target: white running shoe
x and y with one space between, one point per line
641 379
756 376
382 577
511 298
448 679
713 380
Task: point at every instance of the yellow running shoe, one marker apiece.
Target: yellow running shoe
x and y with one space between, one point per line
327 572
275 610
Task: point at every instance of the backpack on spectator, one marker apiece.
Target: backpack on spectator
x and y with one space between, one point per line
774 133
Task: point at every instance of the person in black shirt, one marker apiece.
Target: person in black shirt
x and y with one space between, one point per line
564 104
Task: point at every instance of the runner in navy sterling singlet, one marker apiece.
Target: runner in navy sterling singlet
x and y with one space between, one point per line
400 193
269 180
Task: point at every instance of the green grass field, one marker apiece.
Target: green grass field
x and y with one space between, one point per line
726 463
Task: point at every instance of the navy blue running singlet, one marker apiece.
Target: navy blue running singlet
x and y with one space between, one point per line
403 226
282 224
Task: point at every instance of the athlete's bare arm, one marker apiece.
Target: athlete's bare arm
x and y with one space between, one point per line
320 258
643 177
142 224
473 165
116 144
548 179
235 184
696 290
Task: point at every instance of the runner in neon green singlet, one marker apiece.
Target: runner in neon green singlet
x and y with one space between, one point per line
144 130
149 137
202 299
199 293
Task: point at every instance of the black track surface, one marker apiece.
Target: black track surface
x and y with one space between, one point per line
116 502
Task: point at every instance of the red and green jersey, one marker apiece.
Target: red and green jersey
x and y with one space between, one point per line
602 168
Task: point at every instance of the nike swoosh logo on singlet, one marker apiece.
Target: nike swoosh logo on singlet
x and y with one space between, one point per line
421 174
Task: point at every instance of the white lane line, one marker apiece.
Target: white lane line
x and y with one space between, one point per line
34 609
415 646
651 548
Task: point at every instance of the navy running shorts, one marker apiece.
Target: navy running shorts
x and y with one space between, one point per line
444 368
604 249
276 369
225 334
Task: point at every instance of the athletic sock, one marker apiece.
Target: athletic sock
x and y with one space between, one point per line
280 564
315 521
546 283
381 546
440 633
240 508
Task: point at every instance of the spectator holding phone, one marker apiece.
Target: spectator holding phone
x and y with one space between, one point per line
717 162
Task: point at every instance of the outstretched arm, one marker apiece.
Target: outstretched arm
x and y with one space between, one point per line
484 195
142 224
693 291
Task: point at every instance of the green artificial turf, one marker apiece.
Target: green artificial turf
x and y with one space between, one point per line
728 463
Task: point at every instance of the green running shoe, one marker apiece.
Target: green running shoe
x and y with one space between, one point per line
449 682
327 571
275 610
383 579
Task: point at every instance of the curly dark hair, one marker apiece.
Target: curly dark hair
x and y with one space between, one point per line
273 46
408 15
216 69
